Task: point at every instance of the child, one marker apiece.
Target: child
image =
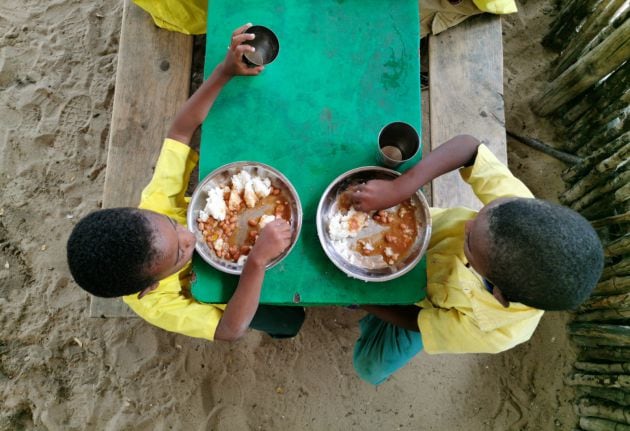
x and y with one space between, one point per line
490 274
144 254
439 15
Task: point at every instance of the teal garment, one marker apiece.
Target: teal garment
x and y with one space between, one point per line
278 321
383 348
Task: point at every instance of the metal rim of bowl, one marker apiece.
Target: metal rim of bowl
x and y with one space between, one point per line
274 38
192 220
333 259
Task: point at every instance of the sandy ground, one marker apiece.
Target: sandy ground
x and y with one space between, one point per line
60 370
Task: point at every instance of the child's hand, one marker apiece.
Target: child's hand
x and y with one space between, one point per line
273 240
375 195
233 63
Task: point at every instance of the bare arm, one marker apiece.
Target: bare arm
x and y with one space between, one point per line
194 111
453 154
240 310
405 316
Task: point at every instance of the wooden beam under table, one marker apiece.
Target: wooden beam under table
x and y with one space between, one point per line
152 82
466 97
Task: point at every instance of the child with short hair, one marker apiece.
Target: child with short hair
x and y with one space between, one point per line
490 274
144 254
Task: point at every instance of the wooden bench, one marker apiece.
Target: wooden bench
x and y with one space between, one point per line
466 97
152 82
153 74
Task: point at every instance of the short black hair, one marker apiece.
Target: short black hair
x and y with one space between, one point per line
542 254
109 252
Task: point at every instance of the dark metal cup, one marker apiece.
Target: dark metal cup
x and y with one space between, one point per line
266 44
397 143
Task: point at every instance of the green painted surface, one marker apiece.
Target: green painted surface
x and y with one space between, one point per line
345 69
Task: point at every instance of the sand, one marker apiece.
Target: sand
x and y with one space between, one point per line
60 370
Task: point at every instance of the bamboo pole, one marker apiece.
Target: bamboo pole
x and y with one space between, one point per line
605 354
605 334
609 316
599 95
618 368
596 424
603 409
616 219
567 158
613 286
602 207
620 381
621 268
569 18
606 302
615 395
575 172
592 342
608 132
616 183
587 126
586 183
615 159
618 247
595 65
596 342
623 193
599 24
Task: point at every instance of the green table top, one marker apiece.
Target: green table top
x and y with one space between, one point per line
345 69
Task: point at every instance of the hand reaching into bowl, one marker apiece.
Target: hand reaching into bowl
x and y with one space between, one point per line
273 240
375 195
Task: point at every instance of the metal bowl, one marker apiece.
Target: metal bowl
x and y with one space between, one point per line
328 206
266 44
221 176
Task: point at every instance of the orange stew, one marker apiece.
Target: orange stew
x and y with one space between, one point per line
229 230
393 243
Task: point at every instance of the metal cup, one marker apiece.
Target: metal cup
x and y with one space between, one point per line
397 143
266 44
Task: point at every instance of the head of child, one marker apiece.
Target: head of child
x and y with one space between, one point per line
122 251
534 252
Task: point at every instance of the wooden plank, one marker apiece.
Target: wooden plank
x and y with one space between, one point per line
426 140
466 97
152 82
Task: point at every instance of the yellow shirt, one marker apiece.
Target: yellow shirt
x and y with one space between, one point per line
496 6
170 306
459 315
439 15
184 16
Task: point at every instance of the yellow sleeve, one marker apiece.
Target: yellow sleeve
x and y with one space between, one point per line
490 179
496 6
165 193
168 308
184 16
450 331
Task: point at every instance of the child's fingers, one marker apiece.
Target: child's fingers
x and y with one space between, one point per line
240 49
254 71
240 38
241 29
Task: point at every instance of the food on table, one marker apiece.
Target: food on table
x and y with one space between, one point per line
375 239
235 213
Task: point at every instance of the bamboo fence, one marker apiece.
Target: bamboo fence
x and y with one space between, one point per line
588 95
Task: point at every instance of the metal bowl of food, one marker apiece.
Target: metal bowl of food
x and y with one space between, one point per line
375 246
232 204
